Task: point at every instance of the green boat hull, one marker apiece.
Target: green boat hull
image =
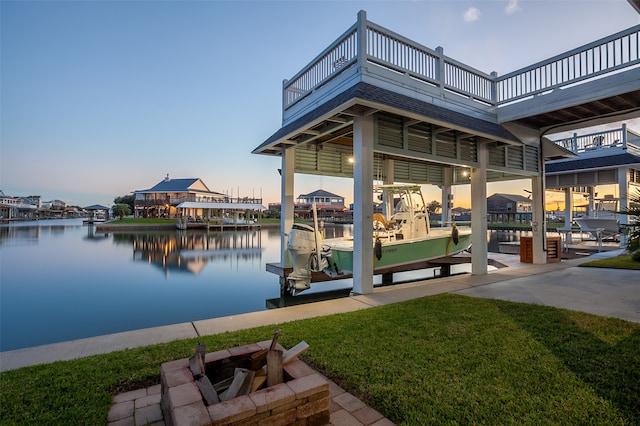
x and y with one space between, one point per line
398 253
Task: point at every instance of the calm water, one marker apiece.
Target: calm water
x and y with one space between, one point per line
59 280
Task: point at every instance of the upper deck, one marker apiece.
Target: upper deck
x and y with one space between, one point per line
608 142
601 159
432 113
369 53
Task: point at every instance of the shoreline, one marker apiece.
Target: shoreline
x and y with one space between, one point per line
115 227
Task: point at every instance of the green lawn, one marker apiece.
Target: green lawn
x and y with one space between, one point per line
446 359
617 262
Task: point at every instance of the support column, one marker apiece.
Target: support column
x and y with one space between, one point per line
623 203
447 195
591 208
538 220
568 209
286 203
388 167
479 245
363 204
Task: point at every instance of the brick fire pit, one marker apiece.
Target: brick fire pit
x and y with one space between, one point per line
302 399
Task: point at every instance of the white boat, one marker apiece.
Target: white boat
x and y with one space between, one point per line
402 236
238 218
233 221
603 220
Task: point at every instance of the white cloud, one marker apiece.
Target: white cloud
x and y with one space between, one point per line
471 15
512 7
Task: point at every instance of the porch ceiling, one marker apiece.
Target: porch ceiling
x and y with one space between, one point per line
594 112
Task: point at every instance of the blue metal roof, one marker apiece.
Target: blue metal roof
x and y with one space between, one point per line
173 185
601 162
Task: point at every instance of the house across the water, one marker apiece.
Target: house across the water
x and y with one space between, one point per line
191 198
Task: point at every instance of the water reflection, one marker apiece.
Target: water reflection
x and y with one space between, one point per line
494 238
190 252
32 231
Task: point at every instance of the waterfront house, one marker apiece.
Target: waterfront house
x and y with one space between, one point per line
190 198
376 106
508 208
16 207
162 199
329 206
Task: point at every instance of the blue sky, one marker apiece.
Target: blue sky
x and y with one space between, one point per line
100 98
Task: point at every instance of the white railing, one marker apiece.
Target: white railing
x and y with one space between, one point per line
616 138
607 55
331 62
366 43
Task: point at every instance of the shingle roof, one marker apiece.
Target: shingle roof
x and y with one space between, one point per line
173 185
592 163
318 193
96 207
513 197
372 93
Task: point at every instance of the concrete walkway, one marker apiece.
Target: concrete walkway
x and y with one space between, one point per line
606 292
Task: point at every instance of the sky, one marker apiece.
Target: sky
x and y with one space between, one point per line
102 98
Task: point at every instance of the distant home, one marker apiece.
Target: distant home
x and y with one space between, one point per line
190 198
507 208
16 207
330 207
162 199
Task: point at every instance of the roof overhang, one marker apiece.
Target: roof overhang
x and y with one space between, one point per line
334 118
553 151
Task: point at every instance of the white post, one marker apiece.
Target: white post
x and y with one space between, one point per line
286 203
480 251
623 203
363 205
568 208
388 166
538 223
447 195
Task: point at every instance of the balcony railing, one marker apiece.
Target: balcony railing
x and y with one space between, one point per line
605 140
174 201
366 43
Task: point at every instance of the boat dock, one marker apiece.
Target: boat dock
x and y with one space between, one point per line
442 267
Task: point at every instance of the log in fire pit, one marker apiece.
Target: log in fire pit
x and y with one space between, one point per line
258 384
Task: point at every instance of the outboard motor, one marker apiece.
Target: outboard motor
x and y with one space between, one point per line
302 245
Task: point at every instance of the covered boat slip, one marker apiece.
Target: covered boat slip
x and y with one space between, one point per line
375 106
609 158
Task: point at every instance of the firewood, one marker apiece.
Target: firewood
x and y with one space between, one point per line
223 384
196 362
274 341
241 384
258 382
295 351
207 390
274 367
288 356
258 359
